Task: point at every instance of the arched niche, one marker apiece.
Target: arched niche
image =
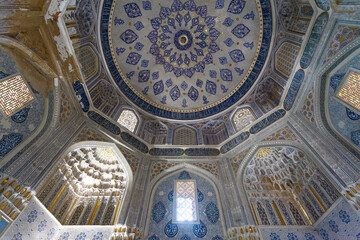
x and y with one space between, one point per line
268 94
35 118
104 98
333 115
154 132
160 197
281 185
129 119
89 185
242 118
214 132
185 136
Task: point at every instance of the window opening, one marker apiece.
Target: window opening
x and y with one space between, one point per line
186 209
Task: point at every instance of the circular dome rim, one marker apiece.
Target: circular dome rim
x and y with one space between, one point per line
126 90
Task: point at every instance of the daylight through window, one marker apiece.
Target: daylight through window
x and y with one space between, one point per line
185 201
348 91
14 94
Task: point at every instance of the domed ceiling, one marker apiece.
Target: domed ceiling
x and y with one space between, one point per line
185 60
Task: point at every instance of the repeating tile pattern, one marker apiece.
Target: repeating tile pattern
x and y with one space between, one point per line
236 160
282 134
341 223
308 107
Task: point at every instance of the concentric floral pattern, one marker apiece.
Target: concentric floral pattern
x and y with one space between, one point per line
178 58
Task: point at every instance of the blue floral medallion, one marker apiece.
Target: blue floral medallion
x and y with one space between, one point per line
184 175
200 230
352 115
154 237
212 212
21 115
183 40
171 229
158 212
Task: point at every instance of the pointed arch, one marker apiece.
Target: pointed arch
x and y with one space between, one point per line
262 179
171 173
45 84
97 179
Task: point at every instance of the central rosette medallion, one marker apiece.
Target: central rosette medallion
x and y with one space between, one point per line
183 40
185 57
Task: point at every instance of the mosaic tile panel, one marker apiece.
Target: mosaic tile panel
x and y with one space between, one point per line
81 95
166 151
342 37
208 166
308 108
267 121
236 160
88 134
159 167
314 39
104 122
282 134
134 142
132 160
293 90
65 108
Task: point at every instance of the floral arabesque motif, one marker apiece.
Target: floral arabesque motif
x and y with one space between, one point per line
98 236
274 236
42 225
333 226
158 212
171 229
309 236
51 234
292 236
200 230
344 216
64 236
212 212
81 236
324 234
17 236
32 216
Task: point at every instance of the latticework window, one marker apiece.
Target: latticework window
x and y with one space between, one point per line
349 90
14 94
88 61
285 58
242 118
128 119
185 201
184 136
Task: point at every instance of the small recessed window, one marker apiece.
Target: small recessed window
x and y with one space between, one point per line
128 119
349 90
14 94
185 207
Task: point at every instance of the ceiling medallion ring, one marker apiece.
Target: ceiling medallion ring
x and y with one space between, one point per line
183 40
176 37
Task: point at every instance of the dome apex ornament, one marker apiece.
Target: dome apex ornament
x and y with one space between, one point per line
184 43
